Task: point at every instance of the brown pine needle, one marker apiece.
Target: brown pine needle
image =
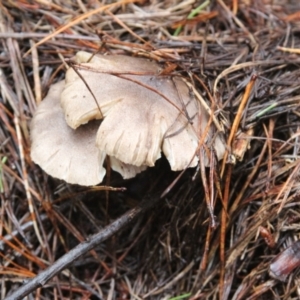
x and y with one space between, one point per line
290 50
237 120
80 18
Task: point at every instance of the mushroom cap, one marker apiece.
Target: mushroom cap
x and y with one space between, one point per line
62 152
137 129
65 153
77 100
144 113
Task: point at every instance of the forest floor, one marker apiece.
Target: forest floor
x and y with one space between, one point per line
244 57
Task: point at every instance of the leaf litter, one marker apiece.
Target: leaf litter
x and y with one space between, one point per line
243 59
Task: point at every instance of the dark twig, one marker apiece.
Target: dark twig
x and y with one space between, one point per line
42 278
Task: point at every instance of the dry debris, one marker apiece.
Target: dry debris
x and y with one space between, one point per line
213 232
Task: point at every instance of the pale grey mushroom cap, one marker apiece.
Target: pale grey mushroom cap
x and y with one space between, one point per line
77 101
65 153
61 151
149 124
138 122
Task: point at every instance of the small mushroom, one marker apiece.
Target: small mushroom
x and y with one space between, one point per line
142 114
68 154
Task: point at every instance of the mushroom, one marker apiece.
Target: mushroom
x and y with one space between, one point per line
68 154
142 114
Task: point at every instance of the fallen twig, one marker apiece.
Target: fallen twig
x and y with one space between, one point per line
82 248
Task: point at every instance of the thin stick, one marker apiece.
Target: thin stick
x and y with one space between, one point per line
226 193
223 230
25 182
122 24
36 75
89 89
237 120
290 50
239 23
78 19
205 105
286 188
42 278
235 6
236 203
